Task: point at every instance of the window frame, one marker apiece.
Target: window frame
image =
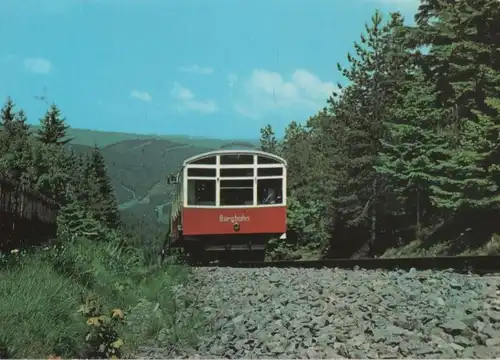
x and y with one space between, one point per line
218 166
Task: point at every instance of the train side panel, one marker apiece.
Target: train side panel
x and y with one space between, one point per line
227 221
176 225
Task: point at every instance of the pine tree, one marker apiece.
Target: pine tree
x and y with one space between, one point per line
307 215
268 142
7 113
359 117
20 122
53 128
108 204
411 148
296 149
7 116
15 148
464 64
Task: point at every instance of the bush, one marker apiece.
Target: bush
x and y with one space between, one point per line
84 300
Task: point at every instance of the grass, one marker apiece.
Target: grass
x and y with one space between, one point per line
42 292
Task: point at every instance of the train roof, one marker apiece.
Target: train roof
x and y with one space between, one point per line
234 152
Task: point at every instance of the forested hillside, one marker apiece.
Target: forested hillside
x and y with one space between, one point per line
136 166
94 290
409 149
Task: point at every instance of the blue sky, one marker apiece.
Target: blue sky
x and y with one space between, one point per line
216 68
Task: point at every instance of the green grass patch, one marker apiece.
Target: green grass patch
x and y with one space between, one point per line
88 300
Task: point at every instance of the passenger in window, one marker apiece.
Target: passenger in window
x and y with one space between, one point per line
271 196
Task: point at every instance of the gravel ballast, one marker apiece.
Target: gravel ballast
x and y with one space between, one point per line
334 313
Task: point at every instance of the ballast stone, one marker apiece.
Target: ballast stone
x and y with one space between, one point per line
326 313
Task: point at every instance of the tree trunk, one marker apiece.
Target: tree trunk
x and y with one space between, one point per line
418 228
373 235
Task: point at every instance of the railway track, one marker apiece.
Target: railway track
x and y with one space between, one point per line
479 265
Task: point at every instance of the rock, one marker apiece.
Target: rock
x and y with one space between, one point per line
454 327
480 352
493 342
489 331
325 313
464 341
456 347
494 315
424 349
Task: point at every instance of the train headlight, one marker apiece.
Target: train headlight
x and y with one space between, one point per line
236 227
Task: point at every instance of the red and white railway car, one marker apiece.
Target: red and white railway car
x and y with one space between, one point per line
229 200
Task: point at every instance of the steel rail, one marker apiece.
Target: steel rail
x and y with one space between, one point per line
480 264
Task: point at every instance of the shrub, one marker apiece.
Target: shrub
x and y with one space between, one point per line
46 292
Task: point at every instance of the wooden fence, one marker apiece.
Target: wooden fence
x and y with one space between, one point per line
26 217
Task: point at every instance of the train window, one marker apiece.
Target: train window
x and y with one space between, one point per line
201 192
266 160
236 192
277 171
194 172
210 160
236 172
269 191
236 159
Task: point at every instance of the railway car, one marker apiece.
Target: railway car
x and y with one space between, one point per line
228 203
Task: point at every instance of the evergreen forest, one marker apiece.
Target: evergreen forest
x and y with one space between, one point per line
408 151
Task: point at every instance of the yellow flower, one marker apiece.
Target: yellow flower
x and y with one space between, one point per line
116 344
96 321
14 251
117 313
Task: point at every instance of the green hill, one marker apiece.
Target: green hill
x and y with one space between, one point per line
139 164
104 138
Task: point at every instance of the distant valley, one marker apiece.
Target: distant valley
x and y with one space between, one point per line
138 165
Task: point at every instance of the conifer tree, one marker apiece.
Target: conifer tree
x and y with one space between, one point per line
14 144
359 116
7 114
53 127
463 63
268 142
105 191
22 128
410 150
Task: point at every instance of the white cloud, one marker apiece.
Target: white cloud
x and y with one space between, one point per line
400 2
188 102
141 95
232 78
38 65
268 91
402 5
246 111
195 69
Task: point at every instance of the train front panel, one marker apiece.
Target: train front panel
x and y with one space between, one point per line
227 221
